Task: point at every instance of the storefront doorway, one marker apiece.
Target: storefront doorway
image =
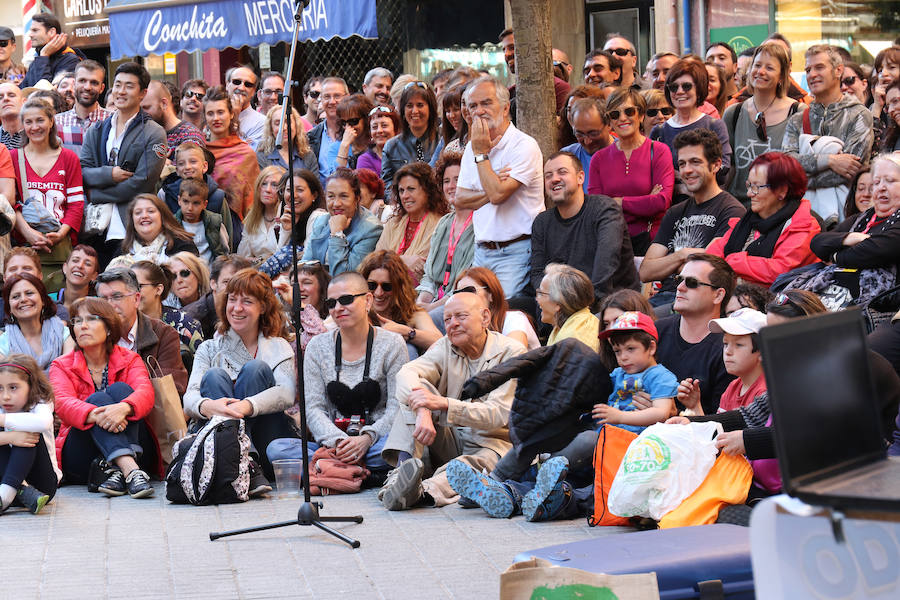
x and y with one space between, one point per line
631 18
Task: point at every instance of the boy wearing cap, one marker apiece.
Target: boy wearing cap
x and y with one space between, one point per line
633 337
740 353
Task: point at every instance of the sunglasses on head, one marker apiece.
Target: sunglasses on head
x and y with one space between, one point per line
666 111
620 51
469 289
345 300
692 283
685 86
313 93
615 114
194 95
785 300
184 273
381 109
385 287
351 122
242 82
420 84
849 80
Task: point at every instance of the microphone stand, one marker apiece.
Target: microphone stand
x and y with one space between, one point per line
308 514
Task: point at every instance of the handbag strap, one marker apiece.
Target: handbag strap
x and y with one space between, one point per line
23 176
153 368
807 126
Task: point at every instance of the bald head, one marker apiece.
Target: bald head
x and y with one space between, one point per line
351 281
467 318
158 104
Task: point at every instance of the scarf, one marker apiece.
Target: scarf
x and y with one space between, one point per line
769 231
51 341
155 251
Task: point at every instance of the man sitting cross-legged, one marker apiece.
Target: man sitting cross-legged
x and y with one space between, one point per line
433 419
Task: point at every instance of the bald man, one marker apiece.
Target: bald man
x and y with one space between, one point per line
432 419
159 103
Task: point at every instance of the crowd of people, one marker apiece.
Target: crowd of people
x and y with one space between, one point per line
472 312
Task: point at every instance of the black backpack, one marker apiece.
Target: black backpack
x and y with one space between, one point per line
211 466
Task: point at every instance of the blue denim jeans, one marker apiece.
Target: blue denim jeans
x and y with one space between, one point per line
287 448
511 264
114 445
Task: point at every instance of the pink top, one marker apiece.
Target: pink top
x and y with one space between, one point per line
733 399
607 175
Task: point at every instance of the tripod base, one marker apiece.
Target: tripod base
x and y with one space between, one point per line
307 515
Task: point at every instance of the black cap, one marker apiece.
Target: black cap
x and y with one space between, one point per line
7 34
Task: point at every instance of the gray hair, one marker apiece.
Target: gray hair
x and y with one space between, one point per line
122 274
338 80
616 35
568 287
500 91
891 157
833 55
231 71
377 72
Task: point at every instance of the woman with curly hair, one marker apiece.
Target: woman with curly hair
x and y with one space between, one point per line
394 301
419 205
267 154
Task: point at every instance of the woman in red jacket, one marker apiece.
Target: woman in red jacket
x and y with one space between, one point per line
103 393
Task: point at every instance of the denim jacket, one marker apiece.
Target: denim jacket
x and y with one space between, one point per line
343 253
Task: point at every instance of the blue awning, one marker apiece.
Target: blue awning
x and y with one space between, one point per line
142 27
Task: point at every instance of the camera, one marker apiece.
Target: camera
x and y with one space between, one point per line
353 426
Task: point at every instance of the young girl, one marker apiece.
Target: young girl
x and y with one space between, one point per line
27 449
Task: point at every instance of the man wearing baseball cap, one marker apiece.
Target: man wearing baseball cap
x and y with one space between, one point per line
9 69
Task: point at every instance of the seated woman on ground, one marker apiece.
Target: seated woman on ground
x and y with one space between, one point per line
28 466
24 259
80 270
152 233
190 279
103 394
394 301
565 297
33 329
155 285
350 376
248 371
220 273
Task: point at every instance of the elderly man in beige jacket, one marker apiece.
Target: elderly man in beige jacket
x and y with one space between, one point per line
434 422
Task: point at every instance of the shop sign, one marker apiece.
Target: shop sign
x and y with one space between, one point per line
235 23
85 23
169 64
740 38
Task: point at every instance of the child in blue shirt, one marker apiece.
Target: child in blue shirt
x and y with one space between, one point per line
633 337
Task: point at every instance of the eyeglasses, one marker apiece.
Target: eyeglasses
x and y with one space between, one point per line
541 293
4 43
849 80
420 84
184 273
686 86
469 289
313 94
148 284
620 51
385 287
752 188
194 95
116 298
380 109
560 63
692 283
345 300
242 82
615 114
592 134
351 122
666 111
86 319
266 92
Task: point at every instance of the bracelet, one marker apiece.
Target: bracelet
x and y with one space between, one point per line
343 157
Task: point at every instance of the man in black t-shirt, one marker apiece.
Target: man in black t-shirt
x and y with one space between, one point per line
688 227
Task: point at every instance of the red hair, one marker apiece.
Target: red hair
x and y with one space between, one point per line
783 171
371 180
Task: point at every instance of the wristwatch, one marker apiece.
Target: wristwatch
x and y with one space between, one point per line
481 158
411 335
339 234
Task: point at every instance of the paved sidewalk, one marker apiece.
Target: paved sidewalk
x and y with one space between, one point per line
87 546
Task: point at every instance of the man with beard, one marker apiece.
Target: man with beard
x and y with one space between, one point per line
591 131
585 232
192 93
53 55
377 86
65 85
159 104
270 92
12 134
240 83
72 125
688 227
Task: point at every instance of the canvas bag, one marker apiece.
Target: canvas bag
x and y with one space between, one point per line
166 418
539 578
728 482
608 454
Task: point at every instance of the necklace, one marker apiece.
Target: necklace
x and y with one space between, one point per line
763 112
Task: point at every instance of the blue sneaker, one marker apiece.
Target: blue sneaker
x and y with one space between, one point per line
490 495
550 491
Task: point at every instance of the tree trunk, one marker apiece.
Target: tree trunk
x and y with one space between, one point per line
535 97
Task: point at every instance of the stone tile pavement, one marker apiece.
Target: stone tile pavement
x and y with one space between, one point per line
87 546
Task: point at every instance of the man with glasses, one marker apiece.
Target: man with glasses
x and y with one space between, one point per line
625 52
432 417
90 77
148 337
602 68
192 93
270 92
688 227
325 138
240 83
159 104
312 89
591 129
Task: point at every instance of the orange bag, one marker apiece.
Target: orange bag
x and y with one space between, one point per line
728 482
608 454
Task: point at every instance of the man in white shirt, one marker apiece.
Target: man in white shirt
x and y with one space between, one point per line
505 207
240 83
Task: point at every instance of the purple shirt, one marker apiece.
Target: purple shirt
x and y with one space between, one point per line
369 160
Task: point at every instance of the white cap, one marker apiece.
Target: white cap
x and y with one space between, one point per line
741 322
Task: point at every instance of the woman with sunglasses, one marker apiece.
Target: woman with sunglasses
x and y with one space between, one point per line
152 233
635 171
191 279
236 165
384 124
419 139
511 323
773 237
353 120
350 377
259 239
344 236
418 207
267 153
658 110
394 301
247 371
855 82
756 125
155 284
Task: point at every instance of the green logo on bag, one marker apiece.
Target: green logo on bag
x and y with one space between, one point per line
649 456
582 591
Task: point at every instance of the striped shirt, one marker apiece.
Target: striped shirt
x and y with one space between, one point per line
71 128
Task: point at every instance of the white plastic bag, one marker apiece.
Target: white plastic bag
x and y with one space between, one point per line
662 467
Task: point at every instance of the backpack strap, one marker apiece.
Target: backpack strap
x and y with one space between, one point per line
793 109
807 126
734 117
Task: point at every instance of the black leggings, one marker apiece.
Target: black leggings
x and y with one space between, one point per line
33 465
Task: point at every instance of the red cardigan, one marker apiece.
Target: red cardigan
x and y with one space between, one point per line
72 384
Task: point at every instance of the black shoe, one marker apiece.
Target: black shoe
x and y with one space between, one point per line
114 484
99 472
138 483
467 503
259 485
32 499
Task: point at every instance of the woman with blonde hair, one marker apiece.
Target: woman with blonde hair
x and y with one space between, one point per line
152 233
268 155
565 296
261 225
190 279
